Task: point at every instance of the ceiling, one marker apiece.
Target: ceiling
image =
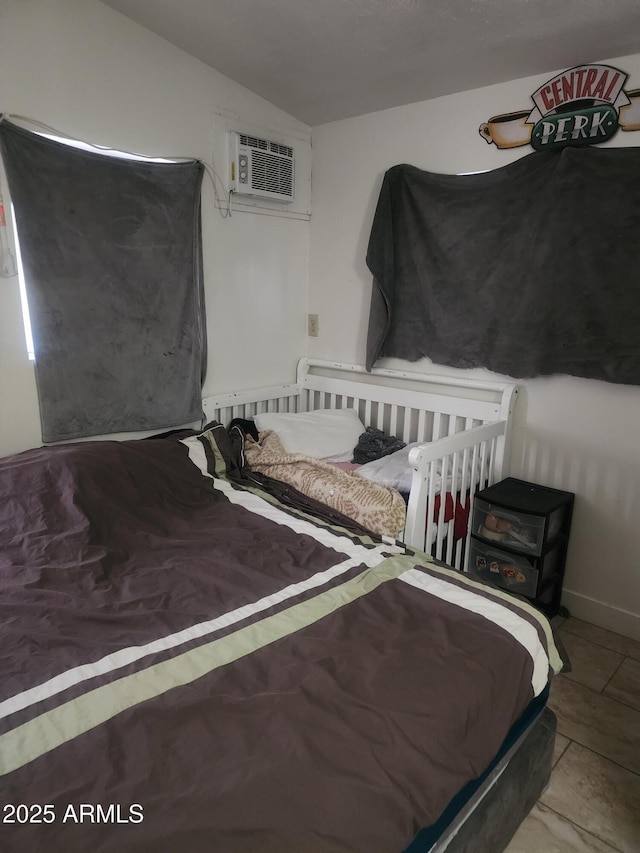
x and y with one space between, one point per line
325 60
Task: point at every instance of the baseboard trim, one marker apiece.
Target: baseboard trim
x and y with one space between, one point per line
604 615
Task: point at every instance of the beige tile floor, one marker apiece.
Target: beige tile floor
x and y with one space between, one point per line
592 802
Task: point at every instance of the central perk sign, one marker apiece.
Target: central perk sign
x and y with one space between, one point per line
578 107
584 105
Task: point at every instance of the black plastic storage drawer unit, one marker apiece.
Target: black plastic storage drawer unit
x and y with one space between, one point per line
519 539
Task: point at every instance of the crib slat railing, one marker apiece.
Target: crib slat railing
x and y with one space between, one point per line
429 482
441 489
475 429
455 496
428 400
245 404
464 499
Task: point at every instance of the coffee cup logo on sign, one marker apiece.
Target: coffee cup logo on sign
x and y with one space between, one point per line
630 113
585 105
509 130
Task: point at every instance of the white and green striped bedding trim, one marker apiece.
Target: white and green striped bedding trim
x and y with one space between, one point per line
55 727
521 630
59 725
555 661
131 654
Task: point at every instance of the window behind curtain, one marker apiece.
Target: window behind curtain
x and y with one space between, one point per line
111 251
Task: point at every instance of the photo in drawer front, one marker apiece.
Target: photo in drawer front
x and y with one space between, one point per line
505 570
506 527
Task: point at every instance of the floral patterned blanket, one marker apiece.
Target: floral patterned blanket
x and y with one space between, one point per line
378 508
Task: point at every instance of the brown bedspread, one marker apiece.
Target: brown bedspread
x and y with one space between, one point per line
376 508
185 665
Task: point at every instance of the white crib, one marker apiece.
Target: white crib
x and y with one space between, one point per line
463 426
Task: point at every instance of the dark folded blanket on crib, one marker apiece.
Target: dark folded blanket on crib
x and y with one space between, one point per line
374 444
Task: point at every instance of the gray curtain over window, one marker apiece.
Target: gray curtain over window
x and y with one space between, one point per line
529 270
112 256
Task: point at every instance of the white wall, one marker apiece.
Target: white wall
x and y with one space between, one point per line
574 434
89 72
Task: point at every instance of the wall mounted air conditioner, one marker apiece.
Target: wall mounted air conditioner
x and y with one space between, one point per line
258 167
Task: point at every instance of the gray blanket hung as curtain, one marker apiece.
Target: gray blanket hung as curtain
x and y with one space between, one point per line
111 251
531 269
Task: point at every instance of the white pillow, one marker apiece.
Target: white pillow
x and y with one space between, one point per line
320 434
393 470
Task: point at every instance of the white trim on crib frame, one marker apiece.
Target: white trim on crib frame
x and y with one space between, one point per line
464 426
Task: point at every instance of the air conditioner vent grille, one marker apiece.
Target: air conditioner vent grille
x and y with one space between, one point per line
266 145
272 174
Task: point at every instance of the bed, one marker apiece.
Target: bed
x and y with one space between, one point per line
189 663
459 432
